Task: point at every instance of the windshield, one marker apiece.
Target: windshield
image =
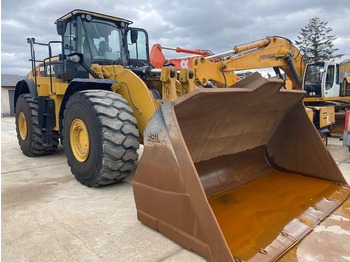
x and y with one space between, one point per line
105 42
101 40
313 74
313 78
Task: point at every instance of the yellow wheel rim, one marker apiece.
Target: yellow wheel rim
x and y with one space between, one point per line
22 126
324 140
79 140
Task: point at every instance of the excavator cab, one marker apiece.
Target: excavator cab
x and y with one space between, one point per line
322 80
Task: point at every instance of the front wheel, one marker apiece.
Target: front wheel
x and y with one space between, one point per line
100 137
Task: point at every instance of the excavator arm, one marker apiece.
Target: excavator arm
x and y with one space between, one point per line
158 59
271 52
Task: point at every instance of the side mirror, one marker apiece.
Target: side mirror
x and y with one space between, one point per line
134 35
76 58
61 27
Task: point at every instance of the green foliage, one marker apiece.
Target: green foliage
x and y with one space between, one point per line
316 43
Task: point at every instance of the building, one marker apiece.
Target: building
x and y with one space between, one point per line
8 84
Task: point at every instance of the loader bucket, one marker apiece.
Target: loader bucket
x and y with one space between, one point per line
236 174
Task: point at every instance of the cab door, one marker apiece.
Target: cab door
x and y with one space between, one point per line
330 85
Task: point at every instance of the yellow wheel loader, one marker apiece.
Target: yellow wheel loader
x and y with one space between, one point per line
236 173
86 95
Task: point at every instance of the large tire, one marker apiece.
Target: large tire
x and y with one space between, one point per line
100 137
27 128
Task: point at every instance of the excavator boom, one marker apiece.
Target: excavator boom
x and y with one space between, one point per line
271 52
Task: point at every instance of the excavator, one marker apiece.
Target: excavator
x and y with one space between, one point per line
235 173
327 84
323 81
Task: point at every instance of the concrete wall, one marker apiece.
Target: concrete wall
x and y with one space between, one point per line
6 102
8 83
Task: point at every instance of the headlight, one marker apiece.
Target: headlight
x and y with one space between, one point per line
87 17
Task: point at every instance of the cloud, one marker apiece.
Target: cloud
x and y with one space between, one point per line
214 25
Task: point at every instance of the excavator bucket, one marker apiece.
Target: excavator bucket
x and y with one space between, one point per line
236 174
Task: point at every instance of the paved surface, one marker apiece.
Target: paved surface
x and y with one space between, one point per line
47 215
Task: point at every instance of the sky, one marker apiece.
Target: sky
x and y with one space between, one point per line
208 24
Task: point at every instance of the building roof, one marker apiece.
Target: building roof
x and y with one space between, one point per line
10 80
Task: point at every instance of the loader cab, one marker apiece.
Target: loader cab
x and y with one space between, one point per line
322 80
101 39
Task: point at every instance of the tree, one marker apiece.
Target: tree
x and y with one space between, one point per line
316 42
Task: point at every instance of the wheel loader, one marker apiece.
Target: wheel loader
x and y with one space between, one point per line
233 174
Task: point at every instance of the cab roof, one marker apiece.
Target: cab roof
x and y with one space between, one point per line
94 14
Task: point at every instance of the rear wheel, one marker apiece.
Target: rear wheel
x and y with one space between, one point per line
100 137
27 128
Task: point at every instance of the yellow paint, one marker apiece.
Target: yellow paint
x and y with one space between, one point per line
103 16
169 86
58 86
135 91
310 114
79 140
58 90
327 115
58 101
129 85
252 215
207 70
22 126
187 80
322 99
266 53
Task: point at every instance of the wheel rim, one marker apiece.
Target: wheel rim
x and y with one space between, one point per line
324 140
22 126
79 140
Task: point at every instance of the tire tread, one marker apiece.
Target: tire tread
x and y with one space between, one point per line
119 138
36 147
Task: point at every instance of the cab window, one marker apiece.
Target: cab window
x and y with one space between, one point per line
330 77
139 49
